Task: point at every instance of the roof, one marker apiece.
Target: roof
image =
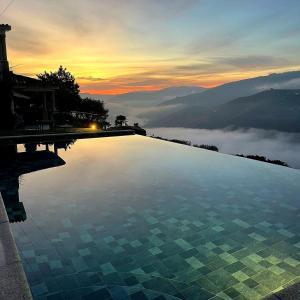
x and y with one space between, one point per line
21 82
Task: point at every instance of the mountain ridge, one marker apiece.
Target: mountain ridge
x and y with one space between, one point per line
271 109
236 89
155 97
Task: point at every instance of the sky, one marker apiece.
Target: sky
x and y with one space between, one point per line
118 46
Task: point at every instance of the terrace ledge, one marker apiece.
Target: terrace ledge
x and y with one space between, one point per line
13 281
20 139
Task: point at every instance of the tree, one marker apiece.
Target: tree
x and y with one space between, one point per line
120 120
67 95
92 106
68 99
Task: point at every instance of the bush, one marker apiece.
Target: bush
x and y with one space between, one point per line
207 147
264 159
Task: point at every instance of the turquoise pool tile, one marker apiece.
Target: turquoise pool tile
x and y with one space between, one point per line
79 264
250 283
246 292
194 262
286 233
192 229
196 293
84 252
240 276
107 268
28 253
155 251
99 294
276 270
66 223
222 279
292 262
228 257
55 264
39 289
183 244
257 237
241 223
41 259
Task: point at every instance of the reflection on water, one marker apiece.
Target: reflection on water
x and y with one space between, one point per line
137 218
15 164
274 145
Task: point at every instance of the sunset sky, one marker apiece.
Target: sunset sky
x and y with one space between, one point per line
116 46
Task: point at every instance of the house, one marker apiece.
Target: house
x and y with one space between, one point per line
24 101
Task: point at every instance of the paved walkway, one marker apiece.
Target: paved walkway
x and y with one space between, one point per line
13 282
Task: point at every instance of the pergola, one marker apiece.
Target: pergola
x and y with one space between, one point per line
25 87
23 91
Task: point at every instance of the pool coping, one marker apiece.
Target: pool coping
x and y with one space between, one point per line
13 281
20 139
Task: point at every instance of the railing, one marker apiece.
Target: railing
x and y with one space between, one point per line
85 116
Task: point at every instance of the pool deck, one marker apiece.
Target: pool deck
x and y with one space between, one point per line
20 139
13 282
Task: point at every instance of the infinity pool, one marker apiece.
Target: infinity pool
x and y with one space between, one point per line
138 218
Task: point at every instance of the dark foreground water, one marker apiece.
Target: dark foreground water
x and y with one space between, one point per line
138 218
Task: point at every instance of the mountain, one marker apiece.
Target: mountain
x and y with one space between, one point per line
184 110
271 109
151 98
135 104
242 88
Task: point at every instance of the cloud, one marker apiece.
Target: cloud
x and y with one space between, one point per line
255 61
289 84
90 78
272 144
142 44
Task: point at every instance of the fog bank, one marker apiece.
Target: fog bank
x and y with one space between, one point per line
272 144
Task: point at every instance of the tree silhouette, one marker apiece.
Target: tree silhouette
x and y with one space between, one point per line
92 106
68 98
67 95
121 120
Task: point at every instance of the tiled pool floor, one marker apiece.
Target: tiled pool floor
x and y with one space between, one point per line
137 218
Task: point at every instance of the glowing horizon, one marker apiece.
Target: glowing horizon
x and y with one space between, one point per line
115 47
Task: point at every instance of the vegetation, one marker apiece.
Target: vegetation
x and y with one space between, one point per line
189 143
120 121
264 159
207 147
68 99
67 95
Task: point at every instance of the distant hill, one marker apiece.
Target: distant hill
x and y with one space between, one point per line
242 88
150 98
271 109
183 111
137 103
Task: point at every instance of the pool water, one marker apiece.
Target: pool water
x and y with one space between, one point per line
138 218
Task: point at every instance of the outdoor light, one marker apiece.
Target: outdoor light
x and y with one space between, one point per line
93 126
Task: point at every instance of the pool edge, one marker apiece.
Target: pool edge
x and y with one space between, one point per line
21 139
13 281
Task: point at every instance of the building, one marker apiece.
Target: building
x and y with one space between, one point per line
24 101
